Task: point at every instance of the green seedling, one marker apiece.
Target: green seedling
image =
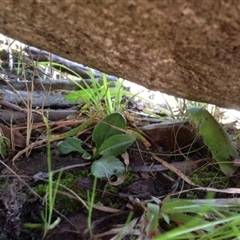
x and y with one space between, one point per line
4 146
216 139
110 141
51 193
103 97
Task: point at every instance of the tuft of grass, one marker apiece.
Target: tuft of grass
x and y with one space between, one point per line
47 215
91 197
50 197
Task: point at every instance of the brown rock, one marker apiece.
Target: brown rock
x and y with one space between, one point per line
190 48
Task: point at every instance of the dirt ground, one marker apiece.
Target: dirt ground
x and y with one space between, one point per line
19 205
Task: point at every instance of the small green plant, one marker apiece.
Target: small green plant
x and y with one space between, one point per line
101 95
106 96
47 214
110 141
51 191
4 146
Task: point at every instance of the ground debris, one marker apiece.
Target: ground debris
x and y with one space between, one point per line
13 197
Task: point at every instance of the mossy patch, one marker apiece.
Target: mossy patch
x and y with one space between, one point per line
105 194
209 178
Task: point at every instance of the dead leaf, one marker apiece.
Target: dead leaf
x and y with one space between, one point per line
16 138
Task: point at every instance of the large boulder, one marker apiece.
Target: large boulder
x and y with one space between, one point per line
189 49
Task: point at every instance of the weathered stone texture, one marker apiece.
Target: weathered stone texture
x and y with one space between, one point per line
189 48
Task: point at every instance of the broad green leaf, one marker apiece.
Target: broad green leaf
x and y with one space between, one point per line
106 167
216 139
70 144
103 130
115 145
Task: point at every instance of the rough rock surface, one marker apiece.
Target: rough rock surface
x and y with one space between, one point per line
188 48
